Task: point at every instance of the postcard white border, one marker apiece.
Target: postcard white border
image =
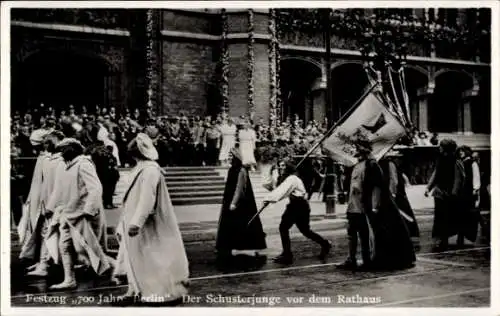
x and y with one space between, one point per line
5 156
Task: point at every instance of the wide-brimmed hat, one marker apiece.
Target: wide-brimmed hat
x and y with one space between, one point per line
146 146
69 141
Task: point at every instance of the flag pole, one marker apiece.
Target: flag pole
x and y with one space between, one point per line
340 121
327 134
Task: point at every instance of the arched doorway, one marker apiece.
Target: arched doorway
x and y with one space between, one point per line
59 79
445 103
415 82
349 81
298 77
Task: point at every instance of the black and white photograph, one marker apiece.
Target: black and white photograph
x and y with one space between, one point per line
259 155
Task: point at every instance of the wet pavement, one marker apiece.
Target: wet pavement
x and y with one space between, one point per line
451 278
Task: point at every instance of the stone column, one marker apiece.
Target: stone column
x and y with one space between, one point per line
423 107
465 113
248 40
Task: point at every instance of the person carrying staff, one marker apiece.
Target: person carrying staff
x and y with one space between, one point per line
297 212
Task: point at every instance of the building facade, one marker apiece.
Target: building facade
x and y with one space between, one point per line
269 64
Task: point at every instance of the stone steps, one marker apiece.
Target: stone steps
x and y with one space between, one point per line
193 185
197 200
191 173
200 188
185 195
184 178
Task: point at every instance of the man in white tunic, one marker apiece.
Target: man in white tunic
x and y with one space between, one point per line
151 253
30 220
77 229
52 163
297 213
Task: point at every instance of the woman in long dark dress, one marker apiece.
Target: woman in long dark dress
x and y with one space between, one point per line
238 207
394 178
393 247
446 184
468 216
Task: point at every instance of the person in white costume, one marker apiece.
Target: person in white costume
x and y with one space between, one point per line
151 252
228 131
77 232
52 163
30 221
247 139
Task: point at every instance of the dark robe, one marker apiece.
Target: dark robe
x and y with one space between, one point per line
447 182
468 215
106 169
233 232
393 247
401 199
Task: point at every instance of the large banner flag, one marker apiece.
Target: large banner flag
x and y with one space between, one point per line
370 120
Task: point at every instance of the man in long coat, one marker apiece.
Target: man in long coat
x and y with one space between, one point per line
49 169
78 228
151 253
30 220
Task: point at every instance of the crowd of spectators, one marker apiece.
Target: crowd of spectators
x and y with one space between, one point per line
180 140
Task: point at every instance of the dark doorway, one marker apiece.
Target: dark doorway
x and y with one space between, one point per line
59 79
297 77
446 102
349 81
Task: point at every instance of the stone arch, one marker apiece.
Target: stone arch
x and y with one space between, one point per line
419 69
110 63
474 81
303 59
59 77
341 63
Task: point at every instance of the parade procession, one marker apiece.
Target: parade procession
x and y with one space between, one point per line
266 157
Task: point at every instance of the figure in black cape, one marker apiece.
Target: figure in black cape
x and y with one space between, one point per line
373 214
469 215
238 207
446 184
395 180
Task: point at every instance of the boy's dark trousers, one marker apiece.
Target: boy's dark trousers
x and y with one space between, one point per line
358 224
297 212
